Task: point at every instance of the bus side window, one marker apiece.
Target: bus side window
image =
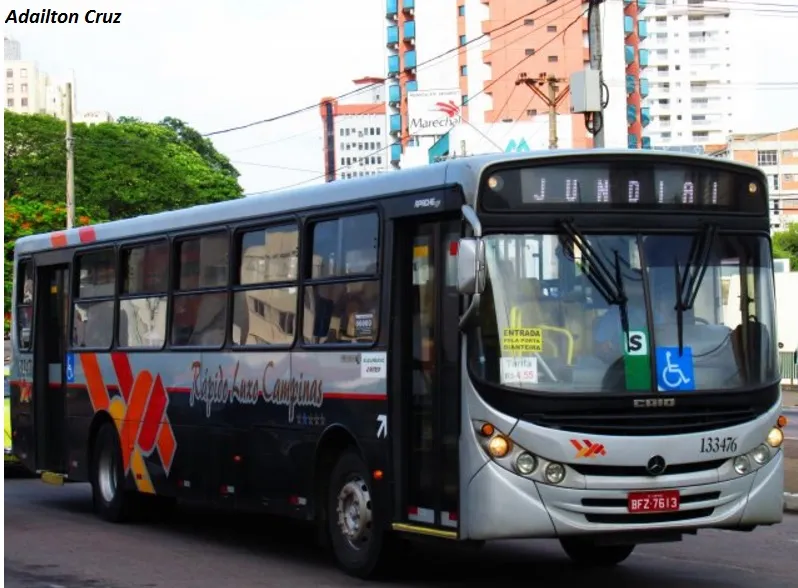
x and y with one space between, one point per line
346 311
24 304
93 310
143 300
265 300
199 315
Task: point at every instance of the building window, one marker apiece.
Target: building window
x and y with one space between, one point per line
461 10
462 39
342 132
378 130
553 59
23 88
464 98
23 101
529 52
551 29
10 88
773 182
10 103
767 157
532 112
463 70
23 73
528 22
9 73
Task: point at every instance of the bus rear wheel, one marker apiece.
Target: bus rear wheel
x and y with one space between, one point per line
585 552
357 537
111 501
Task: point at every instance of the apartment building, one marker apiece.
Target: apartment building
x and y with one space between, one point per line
498 40
355 132
713 64
30 90
777 155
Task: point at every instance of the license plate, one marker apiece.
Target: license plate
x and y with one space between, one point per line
661 501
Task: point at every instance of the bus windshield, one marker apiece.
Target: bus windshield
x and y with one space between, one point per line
610 313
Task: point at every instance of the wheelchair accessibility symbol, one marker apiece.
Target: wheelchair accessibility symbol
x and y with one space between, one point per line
674 371
70 368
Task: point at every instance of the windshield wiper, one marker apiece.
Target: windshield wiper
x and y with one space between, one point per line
599 275
689 282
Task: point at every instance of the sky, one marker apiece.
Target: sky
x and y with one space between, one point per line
217 66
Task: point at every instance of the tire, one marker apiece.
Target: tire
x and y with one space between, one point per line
357 537
111 501
586 553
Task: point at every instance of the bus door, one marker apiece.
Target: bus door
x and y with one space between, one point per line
51 312
426 347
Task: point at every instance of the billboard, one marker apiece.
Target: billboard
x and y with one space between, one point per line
433 112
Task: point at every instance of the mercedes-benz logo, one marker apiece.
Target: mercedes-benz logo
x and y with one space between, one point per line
656 465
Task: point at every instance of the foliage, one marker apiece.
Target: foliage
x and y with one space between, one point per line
122 170
785 244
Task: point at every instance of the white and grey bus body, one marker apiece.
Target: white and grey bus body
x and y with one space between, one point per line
493 500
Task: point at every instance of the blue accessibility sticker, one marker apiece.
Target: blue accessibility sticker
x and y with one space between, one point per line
70 368
675 371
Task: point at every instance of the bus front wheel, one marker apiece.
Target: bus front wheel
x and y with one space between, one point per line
587 553
356 535
111 501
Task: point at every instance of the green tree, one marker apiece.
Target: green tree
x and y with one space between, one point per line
200 144
121 170
785 244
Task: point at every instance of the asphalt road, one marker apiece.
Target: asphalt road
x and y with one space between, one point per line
791 430
53 541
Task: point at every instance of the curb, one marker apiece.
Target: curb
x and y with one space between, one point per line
790 502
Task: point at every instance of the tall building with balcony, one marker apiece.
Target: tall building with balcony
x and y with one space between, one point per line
485 65
690 72
715 68
355 132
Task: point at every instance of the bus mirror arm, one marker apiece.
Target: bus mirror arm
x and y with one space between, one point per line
470 313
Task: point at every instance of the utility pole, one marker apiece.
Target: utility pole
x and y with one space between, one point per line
594 42
70 169
552 98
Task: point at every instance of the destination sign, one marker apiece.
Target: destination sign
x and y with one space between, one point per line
632 184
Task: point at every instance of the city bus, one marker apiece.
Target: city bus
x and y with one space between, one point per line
530 345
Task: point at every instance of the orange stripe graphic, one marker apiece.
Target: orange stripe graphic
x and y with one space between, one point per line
94 381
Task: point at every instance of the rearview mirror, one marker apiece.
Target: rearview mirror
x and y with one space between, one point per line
471 273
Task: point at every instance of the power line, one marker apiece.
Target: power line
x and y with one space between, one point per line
399 141
367 87
560 7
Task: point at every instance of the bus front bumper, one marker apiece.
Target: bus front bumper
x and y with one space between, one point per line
503 505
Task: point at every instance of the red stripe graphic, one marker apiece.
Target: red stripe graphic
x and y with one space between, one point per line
152 416
124 374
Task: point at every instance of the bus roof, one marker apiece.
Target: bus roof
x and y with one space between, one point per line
463 171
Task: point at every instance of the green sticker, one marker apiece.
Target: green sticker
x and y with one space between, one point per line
637 364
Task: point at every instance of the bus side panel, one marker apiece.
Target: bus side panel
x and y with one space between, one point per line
355 394
23 431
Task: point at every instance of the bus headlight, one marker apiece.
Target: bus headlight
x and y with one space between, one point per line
511 456
775 437
526 463
761 454
499 446
742 465
555 473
